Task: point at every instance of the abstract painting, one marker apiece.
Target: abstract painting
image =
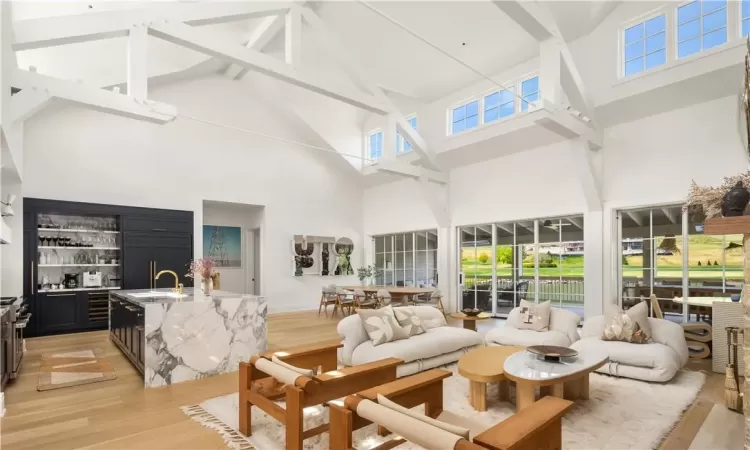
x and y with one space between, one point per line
223 245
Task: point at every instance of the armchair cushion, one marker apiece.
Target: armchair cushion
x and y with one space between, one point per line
460 431
304 372
434 342
512 336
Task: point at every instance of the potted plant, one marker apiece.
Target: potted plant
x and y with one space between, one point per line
205 268
364 273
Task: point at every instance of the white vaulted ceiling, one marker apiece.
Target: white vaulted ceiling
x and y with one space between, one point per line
401 62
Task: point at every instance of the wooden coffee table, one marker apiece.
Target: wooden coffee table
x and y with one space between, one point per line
482 366
569 380
470 322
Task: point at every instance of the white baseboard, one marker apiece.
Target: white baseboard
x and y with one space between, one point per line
2 404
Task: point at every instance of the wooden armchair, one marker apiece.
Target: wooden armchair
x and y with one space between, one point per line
273 375
537 427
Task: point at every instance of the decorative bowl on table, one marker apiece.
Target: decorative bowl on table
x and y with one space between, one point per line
471 312
552 353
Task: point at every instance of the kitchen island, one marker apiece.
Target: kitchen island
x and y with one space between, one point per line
172 337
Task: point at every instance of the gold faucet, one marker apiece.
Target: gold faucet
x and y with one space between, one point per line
178 288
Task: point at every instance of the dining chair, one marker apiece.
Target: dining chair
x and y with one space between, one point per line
435 298
344 302
327 297
383 297
361 300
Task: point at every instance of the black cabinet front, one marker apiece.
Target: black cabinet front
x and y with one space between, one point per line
150 240
127 330
62 311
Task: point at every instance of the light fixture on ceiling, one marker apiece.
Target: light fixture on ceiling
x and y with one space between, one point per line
547 223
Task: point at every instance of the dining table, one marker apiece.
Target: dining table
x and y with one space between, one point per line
402 293
701 301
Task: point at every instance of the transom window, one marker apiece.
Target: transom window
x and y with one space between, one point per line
375 146
701 25
645 45
402 145
745 17
465 117
499 105
529 92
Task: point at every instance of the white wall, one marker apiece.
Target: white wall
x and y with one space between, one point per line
246 217
81 155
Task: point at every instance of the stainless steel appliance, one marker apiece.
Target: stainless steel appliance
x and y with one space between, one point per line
18 318
92 279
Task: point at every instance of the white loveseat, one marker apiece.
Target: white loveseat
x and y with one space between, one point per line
659 360
563 330
439 345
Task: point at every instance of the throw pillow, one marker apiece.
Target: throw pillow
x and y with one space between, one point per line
622 327
381 325
304 372
639 313
409 321
534 316
458 431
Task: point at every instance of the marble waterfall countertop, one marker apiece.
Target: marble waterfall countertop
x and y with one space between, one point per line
195 336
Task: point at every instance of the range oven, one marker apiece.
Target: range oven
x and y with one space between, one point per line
18 319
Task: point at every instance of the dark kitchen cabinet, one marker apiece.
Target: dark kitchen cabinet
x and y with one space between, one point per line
149 240
128 330
148 253
60 311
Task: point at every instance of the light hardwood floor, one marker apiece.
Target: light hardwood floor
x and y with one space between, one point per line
121 414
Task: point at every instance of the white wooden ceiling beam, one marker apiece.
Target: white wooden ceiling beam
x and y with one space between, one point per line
578 223
671 215
11 152
505 228
334 45
569 124
26 103
262 35
60 30
137 70
389 138
486 230
204 41
636 217
410 171
293 37
530 17
581 161
94 98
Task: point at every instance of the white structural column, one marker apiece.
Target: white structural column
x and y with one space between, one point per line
7 60
293 37
581 158
137 62
436 197
593 270
550 61
389 138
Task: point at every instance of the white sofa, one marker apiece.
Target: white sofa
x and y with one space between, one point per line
659 360
440 345
563 330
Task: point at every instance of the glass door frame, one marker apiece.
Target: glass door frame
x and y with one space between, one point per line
685 227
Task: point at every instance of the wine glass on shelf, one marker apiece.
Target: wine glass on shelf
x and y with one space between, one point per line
54 241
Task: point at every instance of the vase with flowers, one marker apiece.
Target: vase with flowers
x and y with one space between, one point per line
205 268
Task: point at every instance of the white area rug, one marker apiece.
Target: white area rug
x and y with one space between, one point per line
620 414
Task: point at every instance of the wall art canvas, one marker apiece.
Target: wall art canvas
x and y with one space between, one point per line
223 244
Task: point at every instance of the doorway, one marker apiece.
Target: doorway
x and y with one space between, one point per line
253 258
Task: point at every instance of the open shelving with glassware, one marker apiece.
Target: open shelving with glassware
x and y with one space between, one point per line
77 252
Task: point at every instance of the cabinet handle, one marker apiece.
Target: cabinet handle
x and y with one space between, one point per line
158 229
131 308
60 295
31 279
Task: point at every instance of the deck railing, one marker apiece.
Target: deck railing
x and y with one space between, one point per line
561 291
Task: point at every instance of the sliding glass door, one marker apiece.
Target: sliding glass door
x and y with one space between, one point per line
537 260
663 252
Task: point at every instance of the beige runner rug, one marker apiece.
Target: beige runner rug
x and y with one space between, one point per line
59 370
